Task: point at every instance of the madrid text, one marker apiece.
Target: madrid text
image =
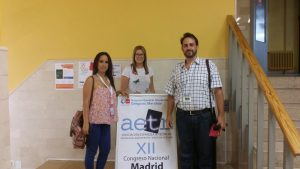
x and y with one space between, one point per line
142 162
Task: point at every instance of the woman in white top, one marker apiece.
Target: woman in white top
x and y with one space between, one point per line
138 77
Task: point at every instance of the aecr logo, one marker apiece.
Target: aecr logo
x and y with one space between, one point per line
128 124
125 101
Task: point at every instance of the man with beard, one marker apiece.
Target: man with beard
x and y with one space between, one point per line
188 89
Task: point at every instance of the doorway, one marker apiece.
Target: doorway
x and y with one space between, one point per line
259 26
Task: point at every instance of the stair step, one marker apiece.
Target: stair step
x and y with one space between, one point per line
289 95
278 134
285 82
278 159
292 109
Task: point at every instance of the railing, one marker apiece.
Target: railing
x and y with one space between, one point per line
244 71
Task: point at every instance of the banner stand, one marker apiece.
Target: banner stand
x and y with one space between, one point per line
143 141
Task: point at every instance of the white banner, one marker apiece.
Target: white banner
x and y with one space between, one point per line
143 141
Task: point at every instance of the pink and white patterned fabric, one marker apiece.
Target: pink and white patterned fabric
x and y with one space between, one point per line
100 108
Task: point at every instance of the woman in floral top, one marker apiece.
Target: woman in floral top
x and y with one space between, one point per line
101 113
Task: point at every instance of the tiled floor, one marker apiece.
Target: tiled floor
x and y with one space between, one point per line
80 165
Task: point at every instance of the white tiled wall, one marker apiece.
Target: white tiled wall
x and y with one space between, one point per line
4 113
41 115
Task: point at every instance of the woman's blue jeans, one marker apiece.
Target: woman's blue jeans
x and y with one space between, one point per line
98 138
196 146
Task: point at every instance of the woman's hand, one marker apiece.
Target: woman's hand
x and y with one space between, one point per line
85 129
123 93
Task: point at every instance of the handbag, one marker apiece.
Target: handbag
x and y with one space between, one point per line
78 138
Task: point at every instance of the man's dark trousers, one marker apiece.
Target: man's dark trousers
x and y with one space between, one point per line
196 146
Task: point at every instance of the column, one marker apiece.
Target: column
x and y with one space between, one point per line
4 113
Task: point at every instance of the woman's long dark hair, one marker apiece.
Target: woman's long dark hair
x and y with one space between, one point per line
109 72
133 64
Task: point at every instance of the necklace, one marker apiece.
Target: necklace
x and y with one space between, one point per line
106 85
112 111
105 82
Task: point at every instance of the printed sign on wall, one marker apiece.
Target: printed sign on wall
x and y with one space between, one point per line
64 76
85 69
117 70
143 141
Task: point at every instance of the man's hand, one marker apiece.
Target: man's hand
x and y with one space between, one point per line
170 107
221 122
169 122
220 105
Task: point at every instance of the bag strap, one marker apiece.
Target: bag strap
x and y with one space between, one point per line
213 113
209 81
92 92
91 100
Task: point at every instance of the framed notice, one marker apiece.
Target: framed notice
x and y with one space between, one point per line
85 69
143 141
117 70
64 76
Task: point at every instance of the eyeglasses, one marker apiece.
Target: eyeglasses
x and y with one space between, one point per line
139 54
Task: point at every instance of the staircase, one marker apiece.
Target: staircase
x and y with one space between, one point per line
288 90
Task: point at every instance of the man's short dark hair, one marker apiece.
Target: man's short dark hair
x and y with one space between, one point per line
189 35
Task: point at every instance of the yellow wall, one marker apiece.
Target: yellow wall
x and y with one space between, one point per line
35 31
1 11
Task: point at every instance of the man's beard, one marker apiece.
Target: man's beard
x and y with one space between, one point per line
190 54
